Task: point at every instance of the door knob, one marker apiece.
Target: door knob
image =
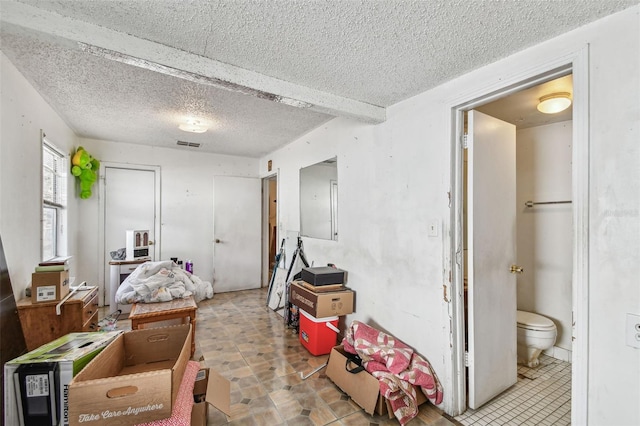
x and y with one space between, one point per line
151 243
515 269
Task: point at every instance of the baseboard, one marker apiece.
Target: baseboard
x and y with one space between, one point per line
559 353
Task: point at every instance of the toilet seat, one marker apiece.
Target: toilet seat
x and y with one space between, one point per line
531 321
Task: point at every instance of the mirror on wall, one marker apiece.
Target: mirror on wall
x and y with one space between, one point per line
319 200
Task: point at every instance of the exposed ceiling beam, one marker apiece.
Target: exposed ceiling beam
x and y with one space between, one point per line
131 50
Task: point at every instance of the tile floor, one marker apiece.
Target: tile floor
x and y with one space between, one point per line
542 396
248 344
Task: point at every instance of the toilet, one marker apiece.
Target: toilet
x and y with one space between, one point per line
536 333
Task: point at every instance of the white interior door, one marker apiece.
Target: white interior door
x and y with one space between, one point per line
237 208
491 250
130 202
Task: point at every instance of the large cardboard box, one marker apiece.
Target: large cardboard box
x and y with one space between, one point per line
71 353
362 387
321 305
133 380
210 388
49 286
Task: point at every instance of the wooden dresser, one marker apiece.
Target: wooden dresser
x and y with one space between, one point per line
40 324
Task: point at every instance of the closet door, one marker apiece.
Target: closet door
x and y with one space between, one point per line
237 233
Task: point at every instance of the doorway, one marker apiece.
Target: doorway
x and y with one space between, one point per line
507 164
270 241
579 194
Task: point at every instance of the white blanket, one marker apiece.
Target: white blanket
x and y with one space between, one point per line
161 282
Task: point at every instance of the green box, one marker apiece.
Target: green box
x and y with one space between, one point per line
71 352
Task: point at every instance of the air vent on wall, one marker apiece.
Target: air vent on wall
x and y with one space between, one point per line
191 144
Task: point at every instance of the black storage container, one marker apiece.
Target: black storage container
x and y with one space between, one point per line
323 275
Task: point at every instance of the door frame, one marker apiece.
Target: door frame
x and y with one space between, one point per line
101 218
576 63
333 196
266 261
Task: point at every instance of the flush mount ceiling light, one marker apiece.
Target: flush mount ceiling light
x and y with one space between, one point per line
193 126
554 103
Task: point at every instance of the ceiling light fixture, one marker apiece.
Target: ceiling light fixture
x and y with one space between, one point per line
554 103
193 126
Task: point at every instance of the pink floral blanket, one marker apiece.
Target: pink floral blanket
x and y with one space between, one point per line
397 367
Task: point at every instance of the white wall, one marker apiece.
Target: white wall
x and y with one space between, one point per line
186 182
396 177
387 194
545 232
23 115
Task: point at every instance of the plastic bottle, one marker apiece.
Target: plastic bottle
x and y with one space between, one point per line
189 266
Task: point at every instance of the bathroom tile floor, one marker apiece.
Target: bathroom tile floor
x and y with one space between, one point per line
542 396
245 341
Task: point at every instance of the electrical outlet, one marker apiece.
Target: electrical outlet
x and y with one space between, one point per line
633 330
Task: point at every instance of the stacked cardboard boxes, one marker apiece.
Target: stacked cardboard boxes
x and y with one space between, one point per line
322 299
136 380
50 281
105 378
133 380
36 385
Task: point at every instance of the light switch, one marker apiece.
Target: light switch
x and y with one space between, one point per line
433 228
633 330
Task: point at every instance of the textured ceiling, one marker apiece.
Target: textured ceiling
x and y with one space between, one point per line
352 55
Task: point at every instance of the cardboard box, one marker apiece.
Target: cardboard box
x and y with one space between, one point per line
362 387
321 288
71 353
210 388
133 380
49 286
323 275
321 305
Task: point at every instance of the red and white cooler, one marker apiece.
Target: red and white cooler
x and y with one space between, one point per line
318 335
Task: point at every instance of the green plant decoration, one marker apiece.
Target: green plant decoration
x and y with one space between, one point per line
85 168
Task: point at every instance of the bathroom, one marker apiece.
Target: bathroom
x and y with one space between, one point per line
544 228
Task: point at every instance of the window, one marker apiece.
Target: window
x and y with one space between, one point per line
54 201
